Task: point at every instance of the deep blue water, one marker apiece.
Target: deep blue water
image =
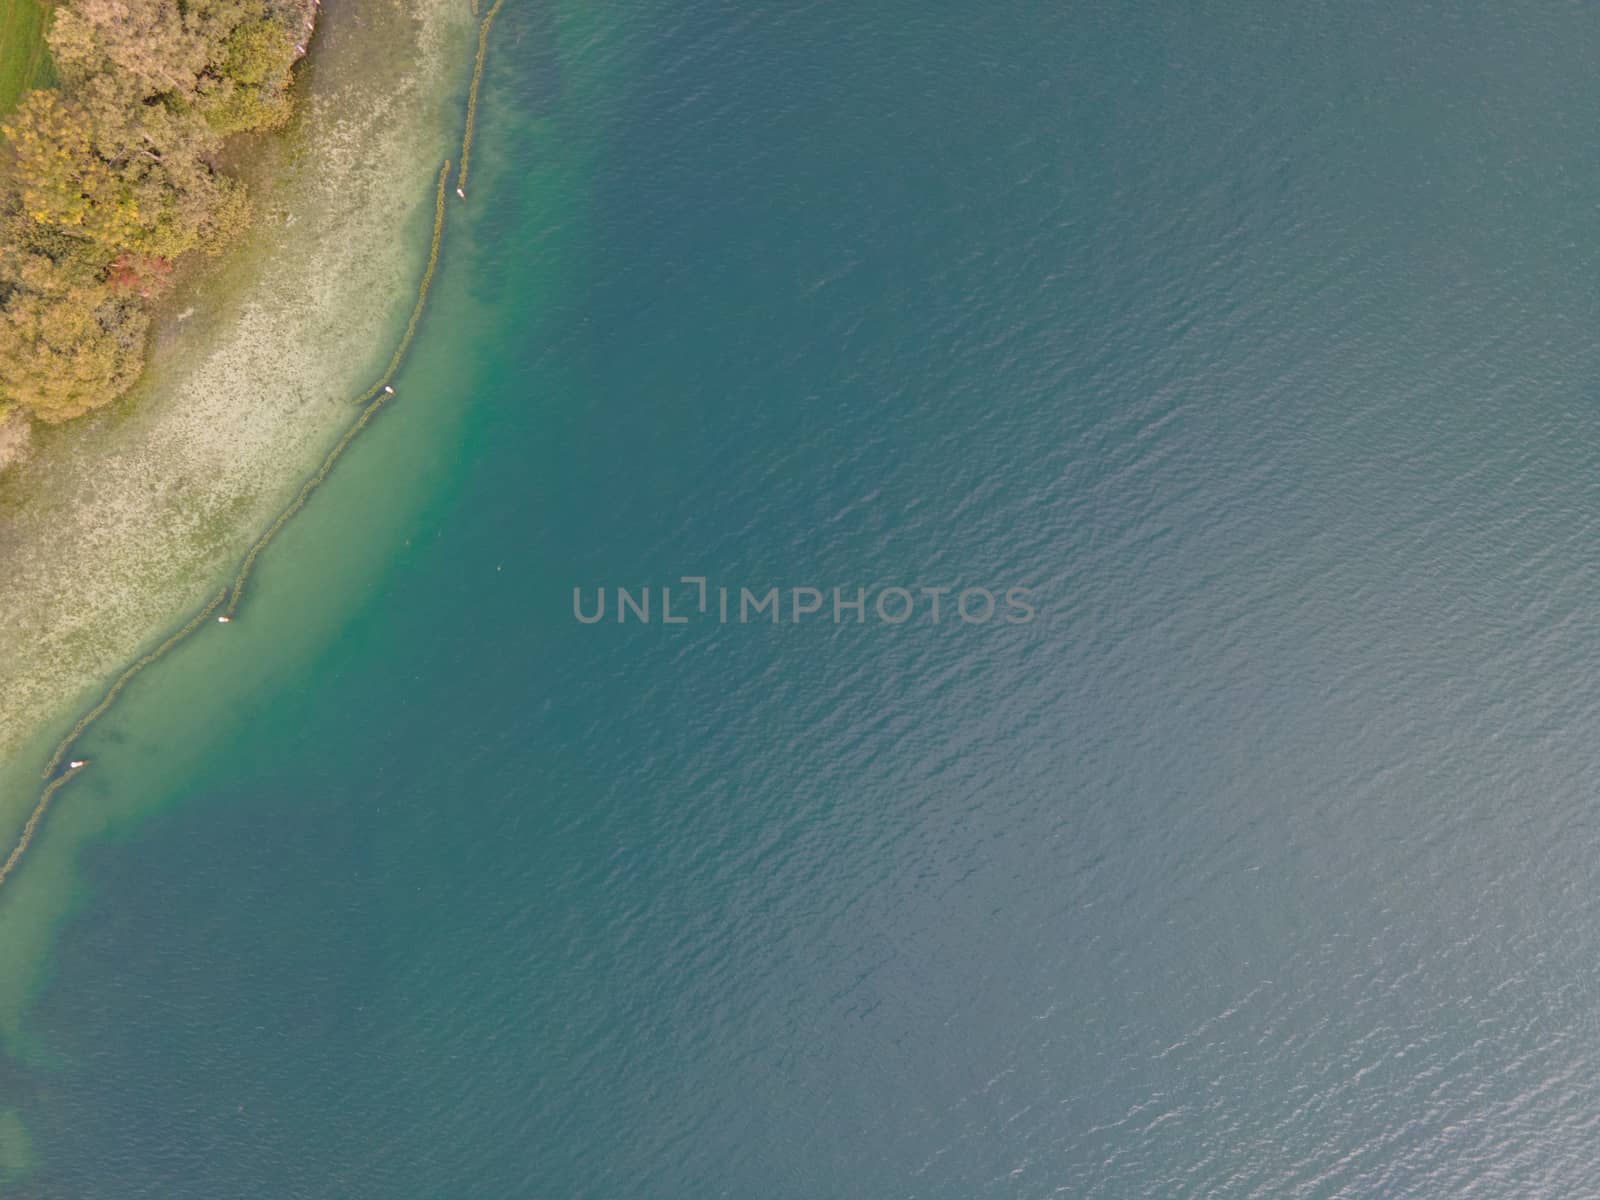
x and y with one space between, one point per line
1257 341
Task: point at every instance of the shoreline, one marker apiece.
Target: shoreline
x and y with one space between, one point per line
119 525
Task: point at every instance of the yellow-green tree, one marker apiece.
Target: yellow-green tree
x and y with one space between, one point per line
108 180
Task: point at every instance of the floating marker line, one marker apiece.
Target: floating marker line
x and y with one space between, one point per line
95 713
88 719
373 399
32 827
472 97
422 296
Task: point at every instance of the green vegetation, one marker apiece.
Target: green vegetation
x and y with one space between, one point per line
111 178
24 59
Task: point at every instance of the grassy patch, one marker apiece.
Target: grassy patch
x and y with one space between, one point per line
24 60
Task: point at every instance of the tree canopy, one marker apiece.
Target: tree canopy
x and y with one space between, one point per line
110 178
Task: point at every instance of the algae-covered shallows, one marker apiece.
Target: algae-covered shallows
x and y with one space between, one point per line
381 390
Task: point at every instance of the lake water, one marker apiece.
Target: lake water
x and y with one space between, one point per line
1258 342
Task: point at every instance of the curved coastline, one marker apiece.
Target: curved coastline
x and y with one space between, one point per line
373 402
124 523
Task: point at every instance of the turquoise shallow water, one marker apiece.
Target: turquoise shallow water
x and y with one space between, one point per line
1261 863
